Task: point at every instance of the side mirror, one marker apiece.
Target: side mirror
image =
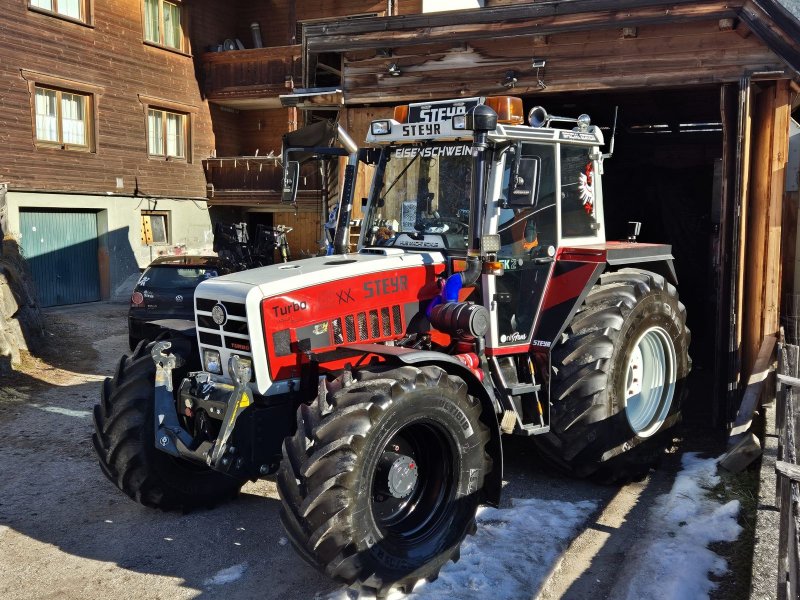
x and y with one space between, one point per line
291 178
524 188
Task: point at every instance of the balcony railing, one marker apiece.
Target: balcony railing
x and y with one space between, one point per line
256 181
251 74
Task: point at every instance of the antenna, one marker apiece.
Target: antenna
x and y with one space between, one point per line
613 134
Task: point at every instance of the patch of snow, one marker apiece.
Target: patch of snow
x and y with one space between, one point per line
228 575
68 412
509 557
672 561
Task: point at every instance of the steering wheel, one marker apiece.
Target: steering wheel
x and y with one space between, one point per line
441 225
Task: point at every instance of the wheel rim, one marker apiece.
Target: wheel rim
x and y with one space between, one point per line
650 381
413 484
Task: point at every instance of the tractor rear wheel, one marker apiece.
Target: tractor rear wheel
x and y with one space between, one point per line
124 442
618 378
382 480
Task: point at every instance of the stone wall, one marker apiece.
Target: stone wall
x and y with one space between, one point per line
20 317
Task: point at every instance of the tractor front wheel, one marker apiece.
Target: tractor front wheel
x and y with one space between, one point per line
618 378
124 442
382 480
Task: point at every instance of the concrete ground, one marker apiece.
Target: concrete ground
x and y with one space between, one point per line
66 532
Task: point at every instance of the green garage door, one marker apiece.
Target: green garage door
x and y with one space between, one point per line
61 248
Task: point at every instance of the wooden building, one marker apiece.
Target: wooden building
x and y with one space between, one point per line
104 130
705 92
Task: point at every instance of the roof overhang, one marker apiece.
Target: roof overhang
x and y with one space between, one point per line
314 99
420 39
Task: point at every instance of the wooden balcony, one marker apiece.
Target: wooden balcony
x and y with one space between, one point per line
251 78
255 181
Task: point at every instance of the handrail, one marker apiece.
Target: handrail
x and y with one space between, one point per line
788 473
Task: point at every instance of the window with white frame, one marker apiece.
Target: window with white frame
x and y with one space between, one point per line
163 23
166 133
62 117
74 9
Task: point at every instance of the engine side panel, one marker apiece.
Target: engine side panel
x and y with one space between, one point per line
375 307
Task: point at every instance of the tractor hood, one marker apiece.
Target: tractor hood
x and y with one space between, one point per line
286 277
278 315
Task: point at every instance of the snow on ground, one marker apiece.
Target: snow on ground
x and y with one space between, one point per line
228 575
672 561
512 552
514 549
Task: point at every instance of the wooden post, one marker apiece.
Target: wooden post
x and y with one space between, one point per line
739 242
762 221
723 258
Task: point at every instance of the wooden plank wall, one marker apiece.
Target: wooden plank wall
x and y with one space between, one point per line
111 58
305 234
273 17
689 53
762 219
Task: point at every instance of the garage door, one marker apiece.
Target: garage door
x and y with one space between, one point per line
61 248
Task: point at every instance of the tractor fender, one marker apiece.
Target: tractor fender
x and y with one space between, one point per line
493 482
650 257
578 269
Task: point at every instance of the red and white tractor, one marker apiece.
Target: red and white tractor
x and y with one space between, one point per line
483 299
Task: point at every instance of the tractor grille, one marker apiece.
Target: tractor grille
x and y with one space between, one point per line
367 326
232 336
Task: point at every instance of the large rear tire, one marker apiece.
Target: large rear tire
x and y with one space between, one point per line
618 378
124 442
382 480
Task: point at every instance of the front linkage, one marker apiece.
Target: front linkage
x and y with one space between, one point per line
199 395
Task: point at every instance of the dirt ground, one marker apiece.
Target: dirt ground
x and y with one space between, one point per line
66 532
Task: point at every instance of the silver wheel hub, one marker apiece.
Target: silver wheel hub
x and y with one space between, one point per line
402 476
650 381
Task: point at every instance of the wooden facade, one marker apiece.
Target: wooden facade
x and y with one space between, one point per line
107 59
717 81
721 77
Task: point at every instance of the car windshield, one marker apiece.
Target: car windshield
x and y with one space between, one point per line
425 194
176 277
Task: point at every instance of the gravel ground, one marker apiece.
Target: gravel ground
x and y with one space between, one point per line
66 532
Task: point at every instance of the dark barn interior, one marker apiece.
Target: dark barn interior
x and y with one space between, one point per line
665 173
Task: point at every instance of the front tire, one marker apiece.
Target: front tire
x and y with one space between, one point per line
124 442
382 480
618 378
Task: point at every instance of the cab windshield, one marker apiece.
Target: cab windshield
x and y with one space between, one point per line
424 198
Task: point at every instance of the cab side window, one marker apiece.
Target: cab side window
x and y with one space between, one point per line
577 193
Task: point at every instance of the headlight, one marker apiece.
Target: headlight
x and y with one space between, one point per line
244 368
212 362
380 127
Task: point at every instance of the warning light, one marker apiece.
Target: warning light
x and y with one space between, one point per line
401 113
508 109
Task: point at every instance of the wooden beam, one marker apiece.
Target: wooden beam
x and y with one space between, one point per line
366 35
788 470
752 394
779 154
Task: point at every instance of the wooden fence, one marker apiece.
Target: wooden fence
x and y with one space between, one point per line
788 471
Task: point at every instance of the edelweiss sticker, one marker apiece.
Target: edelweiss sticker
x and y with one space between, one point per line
586 189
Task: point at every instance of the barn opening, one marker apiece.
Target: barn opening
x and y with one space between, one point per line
666 173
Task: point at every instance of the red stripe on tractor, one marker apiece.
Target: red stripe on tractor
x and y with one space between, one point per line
567 285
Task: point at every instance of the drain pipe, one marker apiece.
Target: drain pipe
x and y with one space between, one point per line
341 240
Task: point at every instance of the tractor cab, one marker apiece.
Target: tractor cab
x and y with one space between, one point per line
540 194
